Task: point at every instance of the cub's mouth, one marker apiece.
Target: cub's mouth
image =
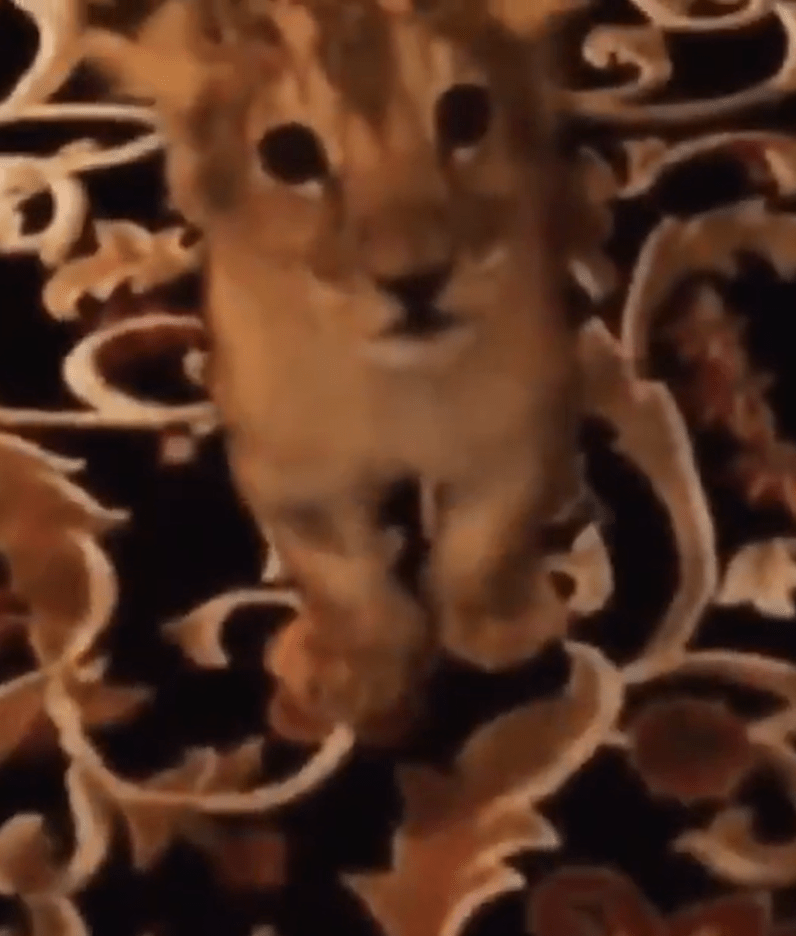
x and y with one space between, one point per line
422 322
421 334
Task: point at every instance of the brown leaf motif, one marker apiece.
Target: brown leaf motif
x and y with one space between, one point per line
763 575
62 585
246 858
31 867
458 827
126 253
47 525
653 435
21 708
153 827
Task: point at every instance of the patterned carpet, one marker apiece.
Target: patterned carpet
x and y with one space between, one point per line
638 780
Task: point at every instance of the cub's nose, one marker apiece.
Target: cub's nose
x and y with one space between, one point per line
417 290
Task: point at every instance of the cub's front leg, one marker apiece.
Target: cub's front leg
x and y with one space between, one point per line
356 652
496 603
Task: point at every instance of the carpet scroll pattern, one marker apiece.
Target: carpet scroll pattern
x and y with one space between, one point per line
638 780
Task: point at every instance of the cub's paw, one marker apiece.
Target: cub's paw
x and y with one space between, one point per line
493 641
320 684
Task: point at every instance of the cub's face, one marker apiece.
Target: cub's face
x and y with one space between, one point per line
383 178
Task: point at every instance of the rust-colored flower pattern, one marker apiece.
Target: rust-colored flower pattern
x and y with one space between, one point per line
575 900
690 749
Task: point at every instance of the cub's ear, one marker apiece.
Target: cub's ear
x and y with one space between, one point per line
160 64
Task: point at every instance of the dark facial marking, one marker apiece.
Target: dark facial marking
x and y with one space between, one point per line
122 16
220 17
215 128
356 53
314 525
204 120
454 19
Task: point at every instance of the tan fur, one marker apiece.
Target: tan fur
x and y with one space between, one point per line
321 413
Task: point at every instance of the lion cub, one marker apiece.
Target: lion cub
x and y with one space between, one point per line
379 198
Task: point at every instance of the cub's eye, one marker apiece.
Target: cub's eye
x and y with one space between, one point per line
463 114
293 154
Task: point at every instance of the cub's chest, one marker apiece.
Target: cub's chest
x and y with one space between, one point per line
337 413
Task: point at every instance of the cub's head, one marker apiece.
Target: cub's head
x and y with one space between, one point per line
381 170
